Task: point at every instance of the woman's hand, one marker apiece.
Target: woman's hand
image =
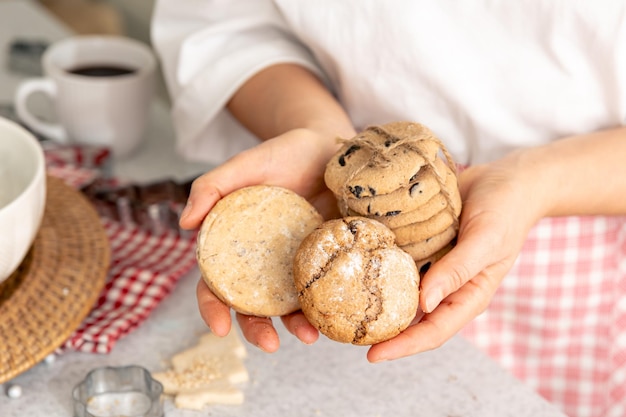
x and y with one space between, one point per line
501 202
299 120
295 160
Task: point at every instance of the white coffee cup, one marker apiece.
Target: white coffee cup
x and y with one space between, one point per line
22 194
101 88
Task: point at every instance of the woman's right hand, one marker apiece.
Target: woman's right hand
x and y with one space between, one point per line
295 160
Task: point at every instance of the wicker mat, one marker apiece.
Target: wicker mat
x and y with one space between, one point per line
56 285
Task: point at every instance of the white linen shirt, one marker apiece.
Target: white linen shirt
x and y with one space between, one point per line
485 76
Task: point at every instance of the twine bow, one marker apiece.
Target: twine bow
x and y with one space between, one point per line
381 156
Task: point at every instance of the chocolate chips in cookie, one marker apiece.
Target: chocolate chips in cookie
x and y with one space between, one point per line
381 159
403 176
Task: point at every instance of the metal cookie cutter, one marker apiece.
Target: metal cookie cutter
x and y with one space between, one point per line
128 391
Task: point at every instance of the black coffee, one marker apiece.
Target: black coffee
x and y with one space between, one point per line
102 71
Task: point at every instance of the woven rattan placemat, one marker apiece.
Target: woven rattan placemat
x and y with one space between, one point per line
56 285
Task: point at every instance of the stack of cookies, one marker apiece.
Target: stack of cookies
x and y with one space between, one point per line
401 175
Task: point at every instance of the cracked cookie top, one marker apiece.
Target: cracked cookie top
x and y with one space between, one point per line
354 284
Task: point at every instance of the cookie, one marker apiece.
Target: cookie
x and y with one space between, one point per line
354 284
207 373
417 232
424 264
381 159
427 247
424 187
433 206
246 247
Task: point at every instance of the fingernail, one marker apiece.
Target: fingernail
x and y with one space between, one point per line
432 299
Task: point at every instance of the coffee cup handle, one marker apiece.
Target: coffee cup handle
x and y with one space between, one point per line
53 131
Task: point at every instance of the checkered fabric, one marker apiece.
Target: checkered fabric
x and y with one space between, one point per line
145 267
558 320
73 176
144 270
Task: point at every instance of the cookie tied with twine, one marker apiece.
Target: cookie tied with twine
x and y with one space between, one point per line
381 159
402 175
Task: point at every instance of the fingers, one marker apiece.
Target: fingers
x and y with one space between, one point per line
209 188
300 327
206 190
201 200
214 313
259 331
491 234
435 328
326 204
468 258
454 290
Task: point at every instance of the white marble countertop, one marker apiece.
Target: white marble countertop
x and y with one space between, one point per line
325 379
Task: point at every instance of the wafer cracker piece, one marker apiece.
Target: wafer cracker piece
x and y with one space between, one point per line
219 392
212 359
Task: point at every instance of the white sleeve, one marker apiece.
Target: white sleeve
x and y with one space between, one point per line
208 49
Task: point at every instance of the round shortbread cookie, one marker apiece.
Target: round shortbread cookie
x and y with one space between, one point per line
433 206
430 246
359 170
425 186
355 285
247 244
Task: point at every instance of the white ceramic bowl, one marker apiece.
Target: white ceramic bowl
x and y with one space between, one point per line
22 194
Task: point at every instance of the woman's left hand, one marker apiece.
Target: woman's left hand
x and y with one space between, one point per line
501 203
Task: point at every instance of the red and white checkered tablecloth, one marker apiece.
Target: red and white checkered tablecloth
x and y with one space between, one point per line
558 320
144 269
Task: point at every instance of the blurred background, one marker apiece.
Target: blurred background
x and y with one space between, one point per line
114 17
122 17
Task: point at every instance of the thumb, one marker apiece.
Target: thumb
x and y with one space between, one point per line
209 188
473 254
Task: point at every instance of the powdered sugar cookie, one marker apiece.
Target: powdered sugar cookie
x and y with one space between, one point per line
355 285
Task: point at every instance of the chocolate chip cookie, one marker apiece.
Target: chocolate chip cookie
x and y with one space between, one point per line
403 176
381 159
425 186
